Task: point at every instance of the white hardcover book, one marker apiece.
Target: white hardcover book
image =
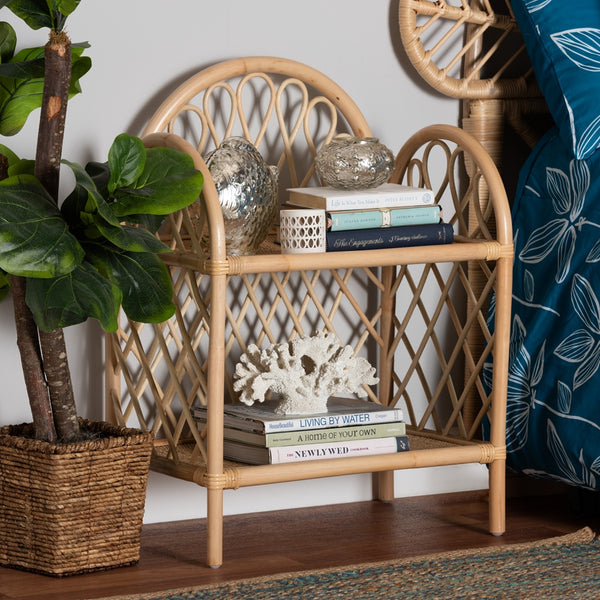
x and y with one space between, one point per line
260 455
388 195
284 454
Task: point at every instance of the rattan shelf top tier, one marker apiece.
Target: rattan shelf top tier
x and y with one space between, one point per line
270 259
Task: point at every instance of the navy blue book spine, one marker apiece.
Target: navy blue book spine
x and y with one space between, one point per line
390 237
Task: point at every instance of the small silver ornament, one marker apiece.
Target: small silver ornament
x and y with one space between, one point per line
354 163
247 189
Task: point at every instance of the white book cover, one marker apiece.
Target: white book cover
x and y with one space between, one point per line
388 195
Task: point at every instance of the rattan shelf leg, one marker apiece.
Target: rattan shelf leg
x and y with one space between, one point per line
214 540
384 481
384 486
216 385
497 508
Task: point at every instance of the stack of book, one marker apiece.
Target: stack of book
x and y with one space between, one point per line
388 216
351 427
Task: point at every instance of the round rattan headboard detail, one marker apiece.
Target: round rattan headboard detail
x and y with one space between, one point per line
473 50
467 48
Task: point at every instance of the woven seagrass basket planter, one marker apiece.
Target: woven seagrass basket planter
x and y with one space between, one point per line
72 508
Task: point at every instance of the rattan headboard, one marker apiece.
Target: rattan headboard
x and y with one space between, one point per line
472 50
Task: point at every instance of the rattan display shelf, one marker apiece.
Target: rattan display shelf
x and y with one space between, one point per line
434 320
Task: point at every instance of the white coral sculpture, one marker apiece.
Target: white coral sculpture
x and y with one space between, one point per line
305 371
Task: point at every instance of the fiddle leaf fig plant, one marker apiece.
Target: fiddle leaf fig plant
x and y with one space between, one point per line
83 259
96 251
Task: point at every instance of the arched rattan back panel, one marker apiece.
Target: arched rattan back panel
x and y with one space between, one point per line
288 110
278 104
467 48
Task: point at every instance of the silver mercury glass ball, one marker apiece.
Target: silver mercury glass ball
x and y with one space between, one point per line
354 163
247 189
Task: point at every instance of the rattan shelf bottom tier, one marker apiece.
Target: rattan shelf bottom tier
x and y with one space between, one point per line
426 451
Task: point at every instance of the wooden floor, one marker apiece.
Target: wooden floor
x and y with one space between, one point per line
173 554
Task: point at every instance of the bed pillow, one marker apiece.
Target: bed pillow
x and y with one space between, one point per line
563 41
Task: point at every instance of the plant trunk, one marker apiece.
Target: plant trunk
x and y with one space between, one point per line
31 361
57 79
47 169
29 350
60 387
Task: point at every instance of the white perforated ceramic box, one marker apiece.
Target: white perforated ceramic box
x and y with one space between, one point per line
302 231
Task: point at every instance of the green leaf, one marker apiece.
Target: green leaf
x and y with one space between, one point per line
42 13
150 222
10 155
16 165
100 174
4 284
133 239
28 69
36 13
170 176
8 41
34 239
143 280
90 217
66 7
126 160
79 67
20 97
73 298
88 197
22 167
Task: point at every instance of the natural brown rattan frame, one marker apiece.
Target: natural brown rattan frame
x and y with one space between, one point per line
412 310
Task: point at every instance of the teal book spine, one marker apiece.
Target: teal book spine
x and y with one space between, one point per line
391 217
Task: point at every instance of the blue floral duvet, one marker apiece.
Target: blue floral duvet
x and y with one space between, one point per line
553 418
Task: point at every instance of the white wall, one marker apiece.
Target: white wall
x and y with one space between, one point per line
141 49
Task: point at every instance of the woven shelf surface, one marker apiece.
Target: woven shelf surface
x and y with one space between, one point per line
189 456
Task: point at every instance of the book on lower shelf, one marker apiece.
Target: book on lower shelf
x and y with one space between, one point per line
261 416
388 195
261 455
313 436
390 237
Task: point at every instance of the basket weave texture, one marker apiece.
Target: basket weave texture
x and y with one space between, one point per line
76 507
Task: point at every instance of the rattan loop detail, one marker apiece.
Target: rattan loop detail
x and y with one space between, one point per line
220 481
219 267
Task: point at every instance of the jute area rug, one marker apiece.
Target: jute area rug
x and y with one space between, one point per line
563 568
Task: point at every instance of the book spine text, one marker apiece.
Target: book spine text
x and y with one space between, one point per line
391 237
285 454
333 420
384 217
355 201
